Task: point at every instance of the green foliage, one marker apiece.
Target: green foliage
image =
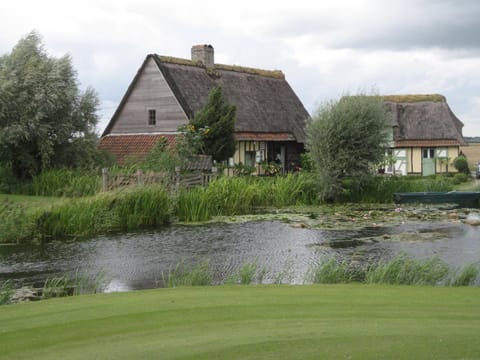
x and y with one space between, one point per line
243 170
271 168
198 274
6 292
161 158
124 210
332 271
17 222
460 178
461 164
306 162
345 137
65 182
381 189
217 118
71 285
401 270
242 195
465 276
45 119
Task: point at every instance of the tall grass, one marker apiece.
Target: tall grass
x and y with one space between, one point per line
67 182
332 271
198 274
71 285
380 189
464 277
401 270
123 210
245 194
6 292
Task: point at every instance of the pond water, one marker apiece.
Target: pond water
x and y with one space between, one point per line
137 261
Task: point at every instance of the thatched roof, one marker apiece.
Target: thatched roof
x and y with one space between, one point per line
423 118
264 100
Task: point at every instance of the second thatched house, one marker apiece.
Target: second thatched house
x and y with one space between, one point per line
426 134
166 92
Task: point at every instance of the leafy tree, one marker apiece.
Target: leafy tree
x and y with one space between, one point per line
345 138
216 121
45 120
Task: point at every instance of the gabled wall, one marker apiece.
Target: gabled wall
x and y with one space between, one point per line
150 91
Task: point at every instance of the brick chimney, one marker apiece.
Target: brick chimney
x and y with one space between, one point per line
204 54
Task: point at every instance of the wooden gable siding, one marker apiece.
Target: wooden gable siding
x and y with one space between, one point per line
150 91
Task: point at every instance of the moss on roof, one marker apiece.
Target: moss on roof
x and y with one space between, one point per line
277 74
414 98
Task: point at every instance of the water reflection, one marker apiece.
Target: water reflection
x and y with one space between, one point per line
137 261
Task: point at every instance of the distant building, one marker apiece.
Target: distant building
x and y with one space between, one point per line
427 135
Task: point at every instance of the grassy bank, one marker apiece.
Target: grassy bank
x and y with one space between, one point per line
249 322
130 209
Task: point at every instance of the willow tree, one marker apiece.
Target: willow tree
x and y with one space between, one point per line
45 120
345 137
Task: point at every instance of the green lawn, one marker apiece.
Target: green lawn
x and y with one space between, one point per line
249 322
30 201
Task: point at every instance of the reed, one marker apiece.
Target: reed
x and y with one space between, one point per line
72 285
403 270
66 182
193 205
381 189
123 210
6 292
333 271
465 276
197 274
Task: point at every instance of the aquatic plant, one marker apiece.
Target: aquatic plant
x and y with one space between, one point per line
403 270
71 285
333 271
465 276
122 210
197 274
6 292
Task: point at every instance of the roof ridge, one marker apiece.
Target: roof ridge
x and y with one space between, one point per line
413 98
277 74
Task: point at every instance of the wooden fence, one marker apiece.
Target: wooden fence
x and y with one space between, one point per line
171 181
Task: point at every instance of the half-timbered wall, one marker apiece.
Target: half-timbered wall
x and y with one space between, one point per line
150 92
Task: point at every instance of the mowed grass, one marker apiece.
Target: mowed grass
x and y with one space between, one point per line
249 322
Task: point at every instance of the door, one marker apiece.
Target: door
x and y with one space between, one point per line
400 157
428 161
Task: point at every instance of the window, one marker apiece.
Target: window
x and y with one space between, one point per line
428 153
250 158
442 153
152 117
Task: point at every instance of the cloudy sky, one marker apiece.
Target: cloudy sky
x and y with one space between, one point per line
325 48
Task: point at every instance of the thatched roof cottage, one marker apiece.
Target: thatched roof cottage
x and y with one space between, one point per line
426 134
166 92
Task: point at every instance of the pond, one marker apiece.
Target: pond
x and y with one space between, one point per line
285 249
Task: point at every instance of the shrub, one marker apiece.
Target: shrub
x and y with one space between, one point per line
461 164
460 178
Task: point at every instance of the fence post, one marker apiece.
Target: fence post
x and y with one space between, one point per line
105 179
177 178
139 177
